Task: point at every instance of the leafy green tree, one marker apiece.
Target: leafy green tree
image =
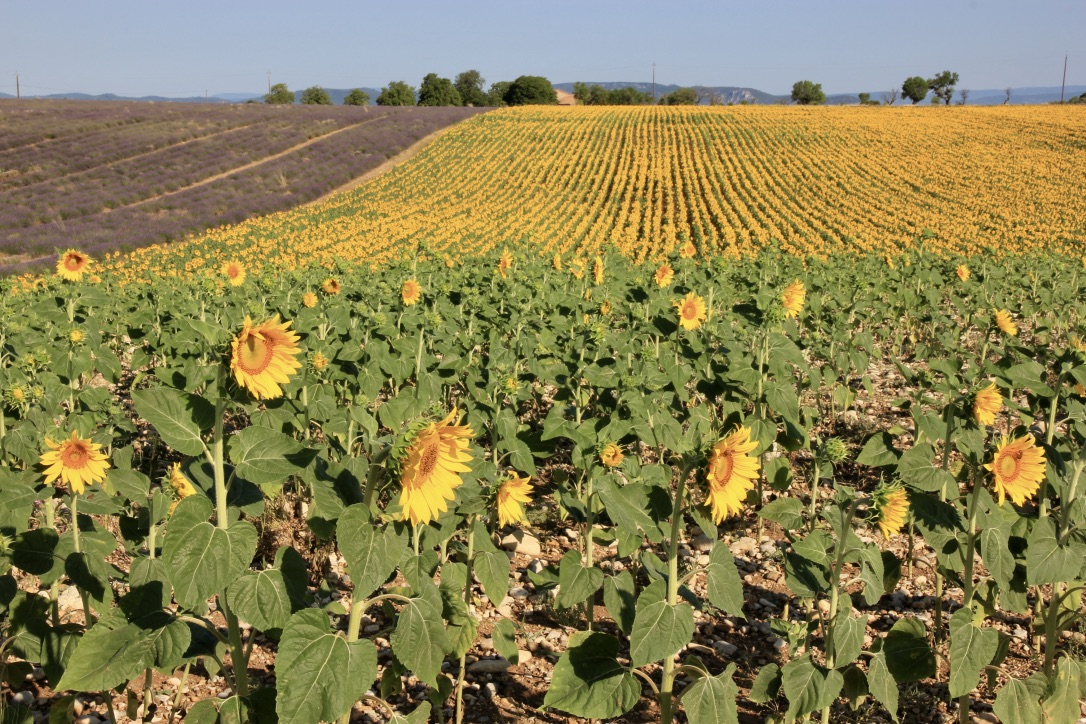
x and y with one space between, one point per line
279 95
496 95
357 97
942 86
531 90
629 96
438 91
469 85
915 89
396 93
807 93
680 97
316 96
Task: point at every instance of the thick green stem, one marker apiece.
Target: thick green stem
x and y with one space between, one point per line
1053 615
847 514
88 619
1050 435
148 680
667 684
49 506
590 604
967 582
467 600
942 498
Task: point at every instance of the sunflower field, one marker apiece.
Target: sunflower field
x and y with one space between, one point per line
251 478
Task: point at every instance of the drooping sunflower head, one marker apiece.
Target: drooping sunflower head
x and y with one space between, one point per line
611 455
556 262
77 461
263 357
605 307
664 274
597 270
986 404
410 292
309 300
180 483
72 264
576 268
691 311
505 263
1005 323
792 298
688 250
331 286
890 503
1017 469
430 467
234 273
731 473
513 491
962 272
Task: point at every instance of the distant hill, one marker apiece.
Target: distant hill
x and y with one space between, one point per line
722 94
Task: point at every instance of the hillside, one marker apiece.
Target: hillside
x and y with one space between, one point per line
106 176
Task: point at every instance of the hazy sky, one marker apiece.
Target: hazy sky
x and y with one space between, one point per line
187 47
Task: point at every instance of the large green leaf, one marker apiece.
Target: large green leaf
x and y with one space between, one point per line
808 686
319 674
659 629
260 598
1016 704
589 682
420 641
618 597
722 580
711 699
202 559
179 418
971 649
577 582
1046 560
908 655
371 552
492 568
110 654
262 455
917 471
848 638
881 683
1061 706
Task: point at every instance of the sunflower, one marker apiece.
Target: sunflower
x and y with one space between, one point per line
597 270
180 483
505 263
263 357
514 490
318 361
963 272
691 311
577 268
986 404
611 455
309 299
664 275
792 298
331 286
76 461
1018 468
410 292
731 472
891 504
431 466
235 272
556 262
72 264
688 250
76 336
605 307
1005 323
449 262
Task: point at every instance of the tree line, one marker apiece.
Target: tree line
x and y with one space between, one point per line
915 88
465 90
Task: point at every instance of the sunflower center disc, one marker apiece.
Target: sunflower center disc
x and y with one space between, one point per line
1008 467
256 355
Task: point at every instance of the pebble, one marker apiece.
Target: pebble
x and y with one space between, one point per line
536 566
703 560
779 644
702 543
490 690
921 580
743 546
724 648
519 593
521 542
88 719
225 694
372 628
22 698
1020 633
571 535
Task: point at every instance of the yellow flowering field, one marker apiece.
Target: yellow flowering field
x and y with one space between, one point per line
731 180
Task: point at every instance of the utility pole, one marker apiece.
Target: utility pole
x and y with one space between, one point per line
654 82
18 95
269 81
1064 85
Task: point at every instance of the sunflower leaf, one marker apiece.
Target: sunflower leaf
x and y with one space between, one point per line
179 418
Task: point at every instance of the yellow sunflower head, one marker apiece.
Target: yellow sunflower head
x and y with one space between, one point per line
732 471
309 299
72 265
792 298
962 272
556 262
234 273
263 357
605 307
331 286
611 455
180 483
76 336
77 461
318 361
1005 323
688 250
505 263
410 292
597 270
986 404
691 311
513 491
891 506
430 468
664 274
1018 469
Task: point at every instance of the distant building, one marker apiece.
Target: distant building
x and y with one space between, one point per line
565 98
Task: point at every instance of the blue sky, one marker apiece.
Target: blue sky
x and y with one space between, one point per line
186 48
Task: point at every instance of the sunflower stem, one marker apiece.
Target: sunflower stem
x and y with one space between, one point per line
967 577
467 601
87 617
590 604
667 683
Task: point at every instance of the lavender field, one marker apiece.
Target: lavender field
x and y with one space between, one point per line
104 176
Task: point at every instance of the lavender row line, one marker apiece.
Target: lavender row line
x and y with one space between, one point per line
283 183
